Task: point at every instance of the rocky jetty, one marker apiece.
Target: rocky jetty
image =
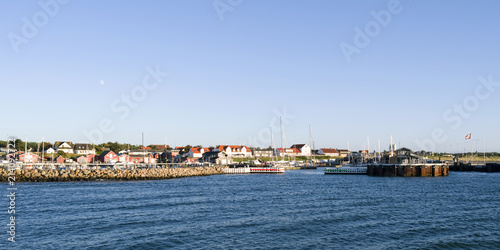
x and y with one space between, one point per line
52 175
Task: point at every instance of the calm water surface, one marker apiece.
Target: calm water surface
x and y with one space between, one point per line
301 209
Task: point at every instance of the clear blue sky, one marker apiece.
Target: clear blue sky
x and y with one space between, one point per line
227 78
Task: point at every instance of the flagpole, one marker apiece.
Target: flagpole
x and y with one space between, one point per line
472 151
484 149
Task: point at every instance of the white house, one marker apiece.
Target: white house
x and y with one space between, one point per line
263 152
234 151
84 149
304 149
196 152
66 147
50 151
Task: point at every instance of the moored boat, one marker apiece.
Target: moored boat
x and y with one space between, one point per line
347 169
267 170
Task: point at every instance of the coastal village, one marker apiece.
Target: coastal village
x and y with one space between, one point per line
127 162
84 153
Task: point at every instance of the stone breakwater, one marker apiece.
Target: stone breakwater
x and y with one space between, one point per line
52 175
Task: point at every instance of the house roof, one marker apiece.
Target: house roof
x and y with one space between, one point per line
299 146
57 143
404 149
343 150
196 150
83 146
329 151
29 153
289 150
105 153
235 147
260 150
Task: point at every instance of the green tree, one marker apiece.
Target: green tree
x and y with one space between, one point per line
19 144
61 153
186 149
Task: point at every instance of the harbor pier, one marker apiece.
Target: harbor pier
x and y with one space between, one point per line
408 170
490 167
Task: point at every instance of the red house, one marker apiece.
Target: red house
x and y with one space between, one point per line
108 156
91 158
124 158
28 157
60 159
81 159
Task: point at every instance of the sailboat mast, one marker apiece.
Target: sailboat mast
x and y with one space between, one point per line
281 138
379 155
272 145
392 148
348 152
310 139
143 149
368 138
484 149
43 146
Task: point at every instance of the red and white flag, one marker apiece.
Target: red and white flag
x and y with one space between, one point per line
467 137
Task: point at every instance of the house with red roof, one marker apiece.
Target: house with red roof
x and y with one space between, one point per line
328 152
125 158
108 156
60 159
92 157
196 152
81 159
304 149
234 151
288 152
28 158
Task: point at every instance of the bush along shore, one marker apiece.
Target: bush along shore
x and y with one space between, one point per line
54 175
